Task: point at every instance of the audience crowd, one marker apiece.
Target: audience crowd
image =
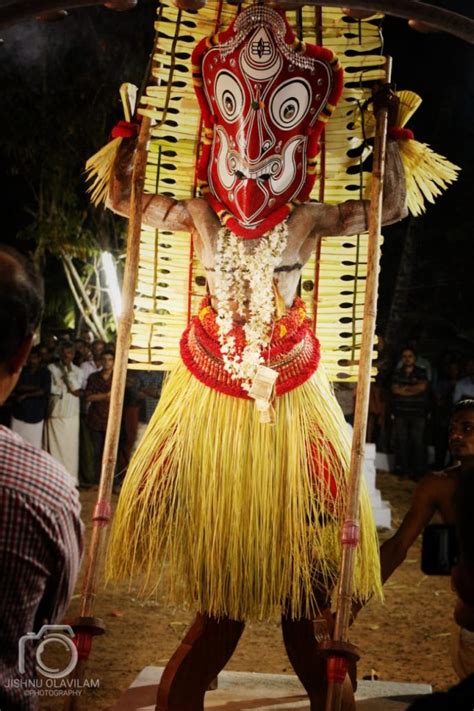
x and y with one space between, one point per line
61 404
410 405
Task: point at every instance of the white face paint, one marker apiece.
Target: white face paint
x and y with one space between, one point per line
261 61
290 103
229 96
264 98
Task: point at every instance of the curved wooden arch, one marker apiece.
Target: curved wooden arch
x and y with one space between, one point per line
440 19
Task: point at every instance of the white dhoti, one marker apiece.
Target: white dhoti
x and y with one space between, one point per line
61 431
61 440
31 432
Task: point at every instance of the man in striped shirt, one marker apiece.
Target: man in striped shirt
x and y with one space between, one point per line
40 528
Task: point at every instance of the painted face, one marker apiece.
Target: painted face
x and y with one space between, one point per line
265 98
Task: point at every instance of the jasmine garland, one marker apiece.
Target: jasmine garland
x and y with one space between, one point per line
244 284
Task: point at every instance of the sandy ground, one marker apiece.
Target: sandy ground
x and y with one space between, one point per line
404 639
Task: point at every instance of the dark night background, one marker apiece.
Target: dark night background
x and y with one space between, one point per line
59 87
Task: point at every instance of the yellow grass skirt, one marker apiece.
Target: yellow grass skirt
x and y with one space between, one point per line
235 508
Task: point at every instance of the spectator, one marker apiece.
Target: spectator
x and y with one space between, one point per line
460 697
30 400
438 493
462 641
465 387
97 394
86 335
44 354
98 348
152 382
40 528
81 350
51 343
133 397
409 390
443 391
91 363
380 406
61 433
87 475
421 361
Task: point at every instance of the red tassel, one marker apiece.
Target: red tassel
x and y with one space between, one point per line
400 134
125 129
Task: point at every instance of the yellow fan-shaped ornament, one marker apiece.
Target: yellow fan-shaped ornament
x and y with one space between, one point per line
99 166
427 173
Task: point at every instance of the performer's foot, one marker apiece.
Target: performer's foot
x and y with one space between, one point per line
309 664
204 651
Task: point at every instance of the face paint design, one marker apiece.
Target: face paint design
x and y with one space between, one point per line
265 98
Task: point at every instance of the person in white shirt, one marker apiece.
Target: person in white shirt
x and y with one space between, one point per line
61 433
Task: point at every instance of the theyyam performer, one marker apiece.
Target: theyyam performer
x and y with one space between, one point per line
239 485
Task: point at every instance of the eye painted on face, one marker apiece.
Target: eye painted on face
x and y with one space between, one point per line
290 103
229 96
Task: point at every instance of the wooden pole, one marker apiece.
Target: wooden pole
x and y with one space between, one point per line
86 626
337 663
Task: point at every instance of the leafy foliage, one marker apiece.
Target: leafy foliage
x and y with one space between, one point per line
60 100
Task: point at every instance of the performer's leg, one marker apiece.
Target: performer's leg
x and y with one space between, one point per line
308 663
204 651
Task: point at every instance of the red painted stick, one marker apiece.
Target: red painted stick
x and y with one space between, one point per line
87 626
337 664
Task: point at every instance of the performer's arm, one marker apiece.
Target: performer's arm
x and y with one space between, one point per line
159 211
352 217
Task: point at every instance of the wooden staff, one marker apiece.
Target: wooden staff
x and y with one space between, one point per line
339 651
87 626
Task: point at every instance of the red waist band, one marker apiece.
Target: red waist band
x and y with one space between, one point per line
293 351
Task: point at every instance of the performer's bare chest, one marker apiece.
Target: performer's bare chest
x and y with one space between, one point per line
287 274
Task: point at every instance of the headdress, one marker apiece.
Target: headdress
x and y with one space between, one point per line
265 98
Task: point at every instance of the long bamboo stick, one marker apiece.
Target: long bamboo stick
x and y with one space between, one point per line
337 664
86 626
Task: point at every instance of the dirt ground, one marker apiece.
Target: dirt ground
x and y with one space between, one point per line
404 639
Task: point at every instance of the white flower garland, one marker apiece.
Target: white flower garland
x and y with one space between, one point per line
244 283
